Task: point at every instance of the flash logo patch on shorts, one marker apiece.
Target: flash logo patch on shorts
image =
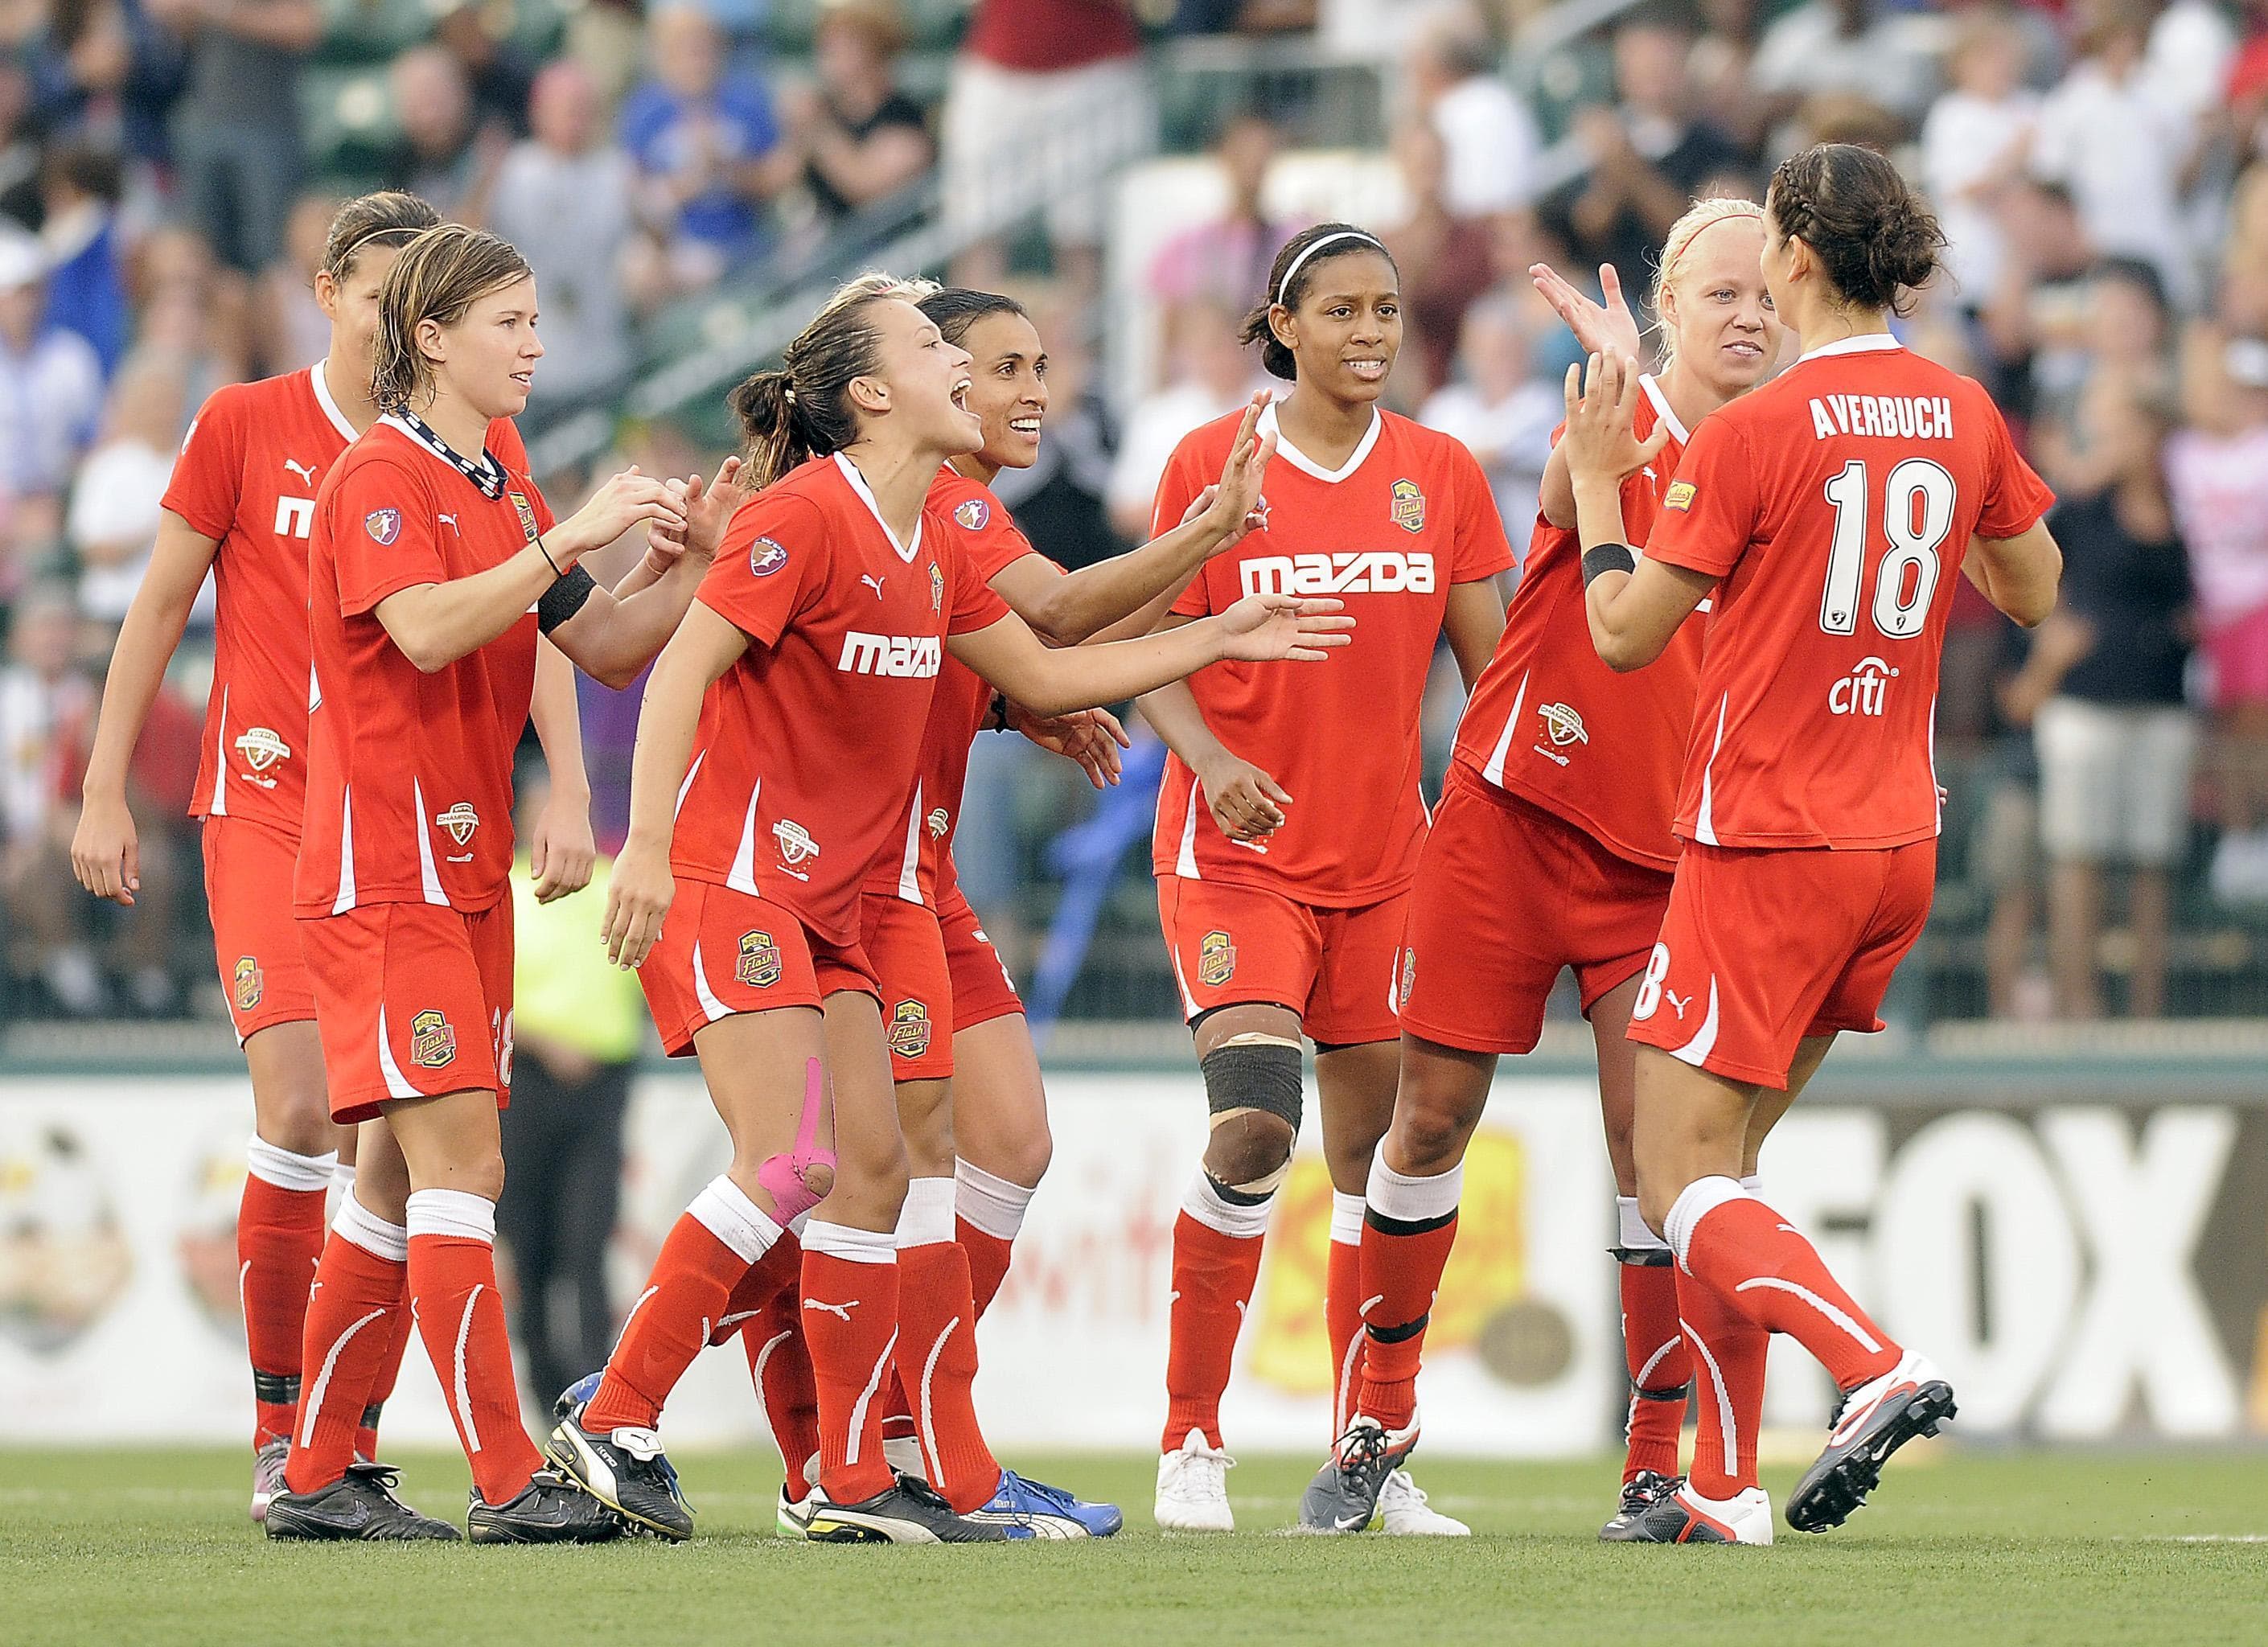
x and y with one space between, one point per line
1409 506
1563 726
261 747
1679 496
1409 979
759 963
248 985
432 1043
383 524
973 514
909 1029
459 820
1216 960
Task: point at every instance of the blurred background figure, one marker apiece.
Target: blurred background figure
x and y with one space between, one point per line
1502 410
1488 139
236 131
445 155
1446 261
855 138
112 524
1225 261
1975 143
1208 373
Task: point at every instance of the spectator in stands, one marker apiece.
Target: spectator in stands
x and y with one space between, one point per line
50 383
1047 98
564 197
195 312
112 525
2034 319
1720 68
699 131
1501 410
857 138
19 145
291 327
1975 144
106 73
2127 331
80 187
2243 294
444 155
2122 146
1226 260
1646 155
2217 469
1487 133
1209 373
1852 49
237 145
1446 262
497 71
2102 688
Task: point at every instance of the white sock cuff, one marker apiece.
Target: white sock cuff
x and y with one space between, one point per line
1223 1217
1754 1183
858 1247
303 1173
926 1217
1346 1218
992 1203
798 1224
343 1179
1629 1229
452 1212
357 1224
1412 1200
1701 1197
724 1210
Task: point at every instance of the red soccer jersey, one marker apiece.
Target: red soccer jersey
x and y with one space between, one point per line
247 478
807 746
1408 515
1835 504
408 774
1551 723
912 863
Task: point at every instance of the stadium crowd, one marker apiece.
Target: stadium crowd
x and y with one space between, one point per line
167 166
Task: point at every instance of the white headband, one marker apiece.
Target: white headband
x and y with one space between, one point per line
1284 284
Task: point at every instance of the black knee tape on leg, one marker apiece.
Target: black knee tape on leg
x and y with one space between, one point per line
1236 1197
1677 1394
277 1389
1262 1075
1643 1257
1401 1333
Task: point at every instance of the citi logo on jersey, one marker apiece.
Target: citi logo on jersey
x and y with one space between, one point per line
905 656
1359 572
1861 691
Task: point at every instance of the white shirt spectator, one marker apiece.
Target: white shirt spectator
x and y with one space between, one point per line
571 217
2219 489
2186 62
50 397
2119 147
1153 428
1965 141
114 508
1889 62
1510 437
1492 144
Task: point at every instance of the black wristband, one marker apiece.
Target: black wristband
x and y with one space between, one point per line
564 599
1607 558
538 541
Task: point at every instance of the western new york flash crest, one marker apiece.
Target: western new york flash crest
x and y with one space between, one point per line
936 587
432 1042
1409 506
1216 960
526 513
759 963
909 1029
248 985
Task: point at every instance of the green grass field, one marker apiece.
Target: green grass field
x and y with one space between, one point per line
147 1545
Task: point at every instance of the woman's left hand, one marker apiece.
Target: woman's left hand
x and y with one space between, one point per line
1601 443
561 850
1093 738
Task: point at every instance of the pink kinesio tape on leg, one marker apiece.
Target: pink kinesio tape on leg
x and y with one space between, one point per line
799 1180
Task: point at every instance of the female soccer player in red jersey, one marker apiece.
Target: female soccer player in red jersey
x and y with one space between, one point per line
778 747
1284 916
1825 515
241 505
432 568
1551 848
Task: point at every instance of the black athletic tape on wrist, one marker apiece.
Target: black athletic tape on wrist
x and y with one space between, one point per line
1607 558
564 599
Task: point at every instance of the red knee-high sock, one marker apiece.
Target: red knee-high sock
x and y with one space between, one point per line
1654 1351
849 1302
351 1316
1725 1237
1343 1296
937 1346
779 1364
713 1245
1217 1241
279 1236
402 1330
990 1213
1729 1352
1409 1225
453 1289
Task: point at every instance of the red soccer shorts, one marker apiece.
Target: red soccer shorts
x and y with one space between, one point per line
1507 894
248 868
982 988
1761 948
723 952
413 1000
903 942
1234 946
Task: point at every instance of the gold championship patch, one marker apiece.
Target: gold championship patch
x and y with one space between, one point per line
909 1029
527 513
432 1043
1409 506
1679 496
261 747
249 985
759 964
1216 960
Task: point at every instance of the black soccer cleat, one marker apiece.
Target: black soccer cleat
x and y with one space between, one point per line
1640 1494
626 1470
549 1509
910 1512
1873 1422
359 1506
1343 1496
1682 1516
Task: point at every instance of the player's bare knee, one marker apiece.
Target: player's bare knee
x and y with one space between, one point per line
1253 1094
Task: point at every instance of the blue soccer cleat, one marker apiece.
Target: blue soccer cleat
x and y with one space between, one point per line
576 1395
1049 1512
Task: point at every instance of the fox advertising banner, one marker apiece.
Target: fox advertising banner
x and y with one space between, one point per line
2083 1271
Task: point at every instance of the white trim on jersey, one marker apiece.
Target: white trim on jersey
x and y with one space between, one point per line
1936 788
397 1085
1704 1038
1307 464
345 901
1661 408
742 876
1865 343
314 688
905 551
1185 865
686 788
219 807
1189 1008
1704 825
429 874
703 993
330 406
1494 770
909 869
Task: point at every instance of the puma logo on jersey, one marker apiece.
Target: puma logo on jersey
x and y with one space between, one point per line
1357 572
840 1312
874 583
903 656
450 522
304 471
1862 691
1681 1002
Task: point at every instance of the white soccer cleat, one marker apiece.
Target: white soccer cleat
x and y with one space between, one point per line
1193 1488
1872 1421
1685 1516
1402 1512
